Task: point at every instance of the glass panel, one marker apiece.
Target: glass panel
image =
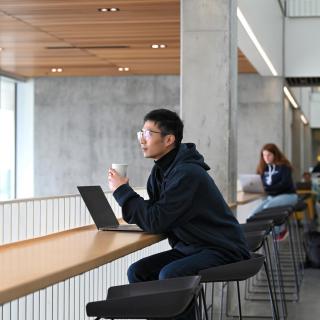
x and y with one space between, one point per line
7 139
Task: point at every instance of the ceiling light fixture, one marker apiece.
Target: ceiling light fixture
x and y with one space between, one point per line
255 41
108 9
303 119
290 97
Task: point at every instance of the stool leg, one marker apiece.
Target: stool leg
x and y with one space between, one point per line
239 301
279 278
279 268
273 305
294 260
266 250
203 298
197 308
300 251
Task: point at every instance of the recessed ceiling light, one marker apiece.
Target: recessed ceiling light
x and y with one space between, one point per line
56 69
158 46
1 49
123 69
108 9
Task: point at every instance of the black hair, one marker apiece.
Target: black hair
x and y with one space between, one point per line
168 122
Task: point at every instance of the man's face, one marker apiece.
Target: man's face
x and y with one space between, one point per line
153 144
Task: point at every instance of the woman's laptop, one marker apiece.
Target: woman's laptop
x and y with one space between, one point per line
251 183
101 211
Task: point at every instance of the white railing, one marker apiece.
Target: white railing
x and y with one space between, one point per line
303 8
30 218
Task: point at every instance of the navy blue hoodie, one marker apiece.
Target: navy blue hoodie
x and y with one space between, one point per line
190 210
277 179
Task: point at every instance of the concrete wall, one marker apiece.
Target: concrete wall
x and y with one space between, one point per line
82 125
260 117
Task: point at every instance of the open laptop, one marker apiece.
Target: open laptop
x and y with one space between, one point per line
251 183
101 211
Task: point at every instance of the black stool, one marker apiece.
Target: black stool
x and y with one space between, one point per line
280 215
251 231
257 240
151 299
237 271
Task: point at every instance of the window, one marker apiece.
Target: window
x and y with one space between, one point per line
7 138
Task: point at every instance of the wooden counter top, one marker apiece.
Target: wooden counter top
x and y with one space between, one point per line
243 198
31 265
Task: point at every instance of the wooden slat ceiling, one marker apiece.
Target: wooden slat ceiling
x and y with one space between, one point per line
37 35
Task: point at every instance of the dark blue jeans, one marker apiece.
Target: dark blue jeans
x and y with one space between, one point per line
173 264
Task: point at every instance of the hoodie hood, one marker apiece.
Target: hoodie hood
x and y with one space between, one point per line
188 154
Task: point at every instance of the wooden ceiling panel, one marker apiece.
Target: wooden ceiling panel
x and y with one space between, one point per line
37 35
244 65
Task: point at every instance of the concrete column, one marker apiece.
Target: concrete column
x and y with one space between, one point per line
296 146
307 148
260 118
209 85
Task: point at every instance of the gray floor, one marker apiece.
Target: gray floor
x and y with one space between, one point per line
308 308
309 305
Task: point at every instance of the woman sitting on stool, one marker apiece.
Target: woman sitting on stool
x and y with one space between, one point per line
276 174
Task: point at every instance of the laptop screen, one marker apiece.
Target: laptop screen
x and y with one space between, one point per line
98 206
251 183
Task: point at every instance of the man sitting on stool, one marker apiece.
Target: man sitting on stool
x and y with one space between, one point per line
184 203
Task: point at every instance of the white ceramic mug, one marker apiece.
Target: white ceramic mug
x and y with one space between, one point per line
121 168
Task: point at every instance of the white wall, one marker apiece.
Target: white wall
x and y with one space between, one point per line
302 47
266 20
25 112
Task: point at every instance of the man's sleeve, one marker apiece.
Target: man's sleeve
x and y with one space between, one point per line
171 210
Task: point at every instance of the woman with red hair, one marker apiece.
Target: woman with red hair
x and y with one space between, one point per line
276 174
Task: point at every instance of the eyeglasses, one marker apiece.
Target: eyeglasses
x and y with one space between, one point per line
146 134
